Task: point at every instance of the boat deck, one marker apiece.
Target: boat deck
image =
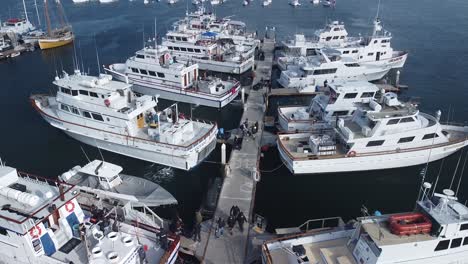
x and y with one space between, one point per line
326 252
292 143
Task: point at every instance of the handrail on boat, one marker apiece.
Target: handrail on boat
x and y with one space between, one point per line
323 221
148 212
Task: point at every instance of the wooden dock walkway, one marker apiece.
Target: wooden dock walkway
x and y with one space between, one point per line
239 182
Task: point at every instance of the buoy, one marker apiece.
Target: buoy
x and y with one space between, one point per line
35 232
223 153
256 175
352 153
70 206
145 248
243 95
107 102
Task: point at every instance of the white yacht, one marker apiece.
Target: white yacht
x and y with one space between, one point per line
375 49
305 73
338 99
156 72
105 113
42 222
211 52
435 232
5 43
104 178
18 26
388 134
267 2
294 3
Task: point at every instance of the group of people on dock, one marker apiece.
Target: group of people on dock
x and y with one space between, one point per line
235 215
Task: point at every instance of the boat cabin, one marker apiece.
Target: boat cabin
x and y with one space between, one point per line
107 174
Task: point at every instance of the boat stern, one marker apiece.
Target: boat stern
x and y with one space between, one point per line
398 59
117 70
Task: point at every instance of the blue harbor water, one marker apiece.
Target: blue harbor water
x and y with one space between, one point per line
433 32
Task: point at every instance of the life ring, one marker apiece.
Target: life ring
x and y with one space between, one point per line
35 232
107 102
70 206
352 153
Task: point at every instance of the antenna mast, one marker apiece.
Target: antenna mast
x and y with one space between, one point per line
97 56
37 12
25 11
156 46
46 10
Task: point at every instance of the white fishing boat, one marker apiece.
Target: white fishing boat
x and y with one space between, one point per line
339 99
103 178
43 222
435 232
211 52
295 3
156 72
105 113
215 2
266 2
5 43
316 2
305 73
375 49
388 134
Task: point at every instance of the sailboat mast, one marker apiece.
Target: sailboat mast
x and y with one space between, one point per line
46 10
37 12
61 13
25 11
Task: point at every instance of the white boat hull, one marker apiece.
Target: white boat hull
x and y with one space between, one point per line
164 154
225 67
291 125
369 162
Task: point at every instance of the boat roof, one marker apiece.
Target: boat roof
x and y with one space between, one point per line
100 168
16 211
102 84
402 110
353 86
444 209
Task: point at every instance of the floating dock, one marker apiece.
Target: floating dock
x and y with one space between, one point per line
241 174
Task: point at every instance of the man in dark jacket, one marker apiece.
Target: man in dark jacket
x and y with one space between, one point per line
240 220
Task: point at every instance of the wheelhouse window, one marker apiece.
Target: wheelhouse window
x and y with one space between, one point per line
183 49
324 71
443 245
405 140
170 47
177 48
352 64
65 90
375 143
393 121
340 113
370 54
97 117
197 50
144 72
350 95
84 92
152 73
328 38
335 37
406 120
161 75
346 52
431 135
342 37
465 241
74 110
64 107
456 242
140 56
74 92
464 227
354 51
367 95
92 94
86 114
189 49
134 70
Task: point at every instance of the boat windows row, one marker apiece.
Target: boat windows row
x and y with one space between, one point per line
454 243
147 72
375 143
185 49
84 113
348 51
334 38
177 38
81 92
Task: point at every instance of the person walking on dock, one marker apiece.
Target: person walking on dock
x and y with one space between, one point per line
220 227
231 222
197 232
240 220
234 211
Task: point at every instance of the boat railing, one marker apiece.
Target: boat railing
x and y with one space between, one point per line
147 212
321 223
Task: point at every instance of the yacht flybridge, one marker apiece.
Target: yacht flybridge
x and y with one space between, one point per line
386 134
211 52
105 113
435 232
157 72
339 99
105 179
43 222
305 73
371 50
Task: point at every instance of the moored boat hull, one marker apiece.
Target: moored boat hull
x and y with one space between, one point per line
50 43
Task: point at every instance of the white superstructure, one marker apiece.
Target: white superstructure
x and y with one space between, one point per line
338 99
305 73
105 113
386 134
42 222
375 49
436 232
156 72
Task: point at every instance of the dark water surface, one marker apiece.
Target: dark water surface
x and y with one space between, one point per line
435 33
